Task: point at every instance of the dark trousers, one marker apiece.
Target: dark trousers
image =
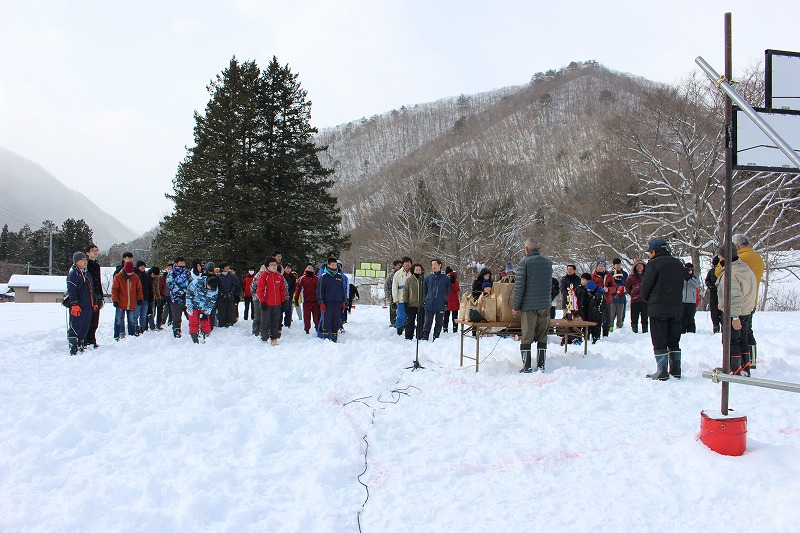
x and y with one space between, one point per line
256 317
687 318
158 311
751 340
392 313
248 301
740 345
433 318
332 318
447 315
270 322
287 313
665 334
415 316
716 314
606 319
177 314
91 335
226 310
167 312
79 326
638 309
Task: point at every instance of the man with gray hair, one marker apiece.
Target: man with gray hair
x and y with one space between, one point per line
752 259
532 301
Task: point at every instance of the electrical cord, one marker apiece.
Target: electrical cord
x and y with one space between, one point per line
396 394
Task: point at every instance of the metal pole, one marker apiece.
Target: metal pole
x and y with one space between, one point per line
715 376
731 93
727 221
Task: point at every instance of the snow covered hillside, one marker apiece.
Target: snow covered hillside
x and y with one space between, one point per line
157 434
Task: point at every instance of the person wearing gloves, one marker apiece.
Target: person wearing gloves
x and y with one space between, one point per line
126 294
690 285
201 299
332 300
81 303
743 299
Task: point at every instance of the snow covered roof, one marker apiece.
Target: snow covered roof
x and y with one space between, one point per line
3 288
38 283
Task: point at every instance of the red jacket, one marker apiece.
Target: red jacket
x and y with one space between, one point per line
453 302
246 282
271 288
605 280
307 285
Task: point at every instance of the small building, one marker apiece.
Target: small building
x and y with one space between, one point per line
37 289
5 295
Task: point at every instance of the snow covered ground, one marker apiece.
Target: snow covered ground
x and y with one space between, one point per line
156 434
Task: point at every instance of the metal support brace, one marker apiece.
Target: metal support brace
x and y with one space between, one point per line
717 376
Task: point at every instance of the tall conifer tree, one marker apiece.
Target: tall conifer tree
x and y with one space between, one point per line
253 181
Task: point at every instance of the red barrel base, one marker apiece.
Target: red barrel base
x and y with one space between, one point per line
726 435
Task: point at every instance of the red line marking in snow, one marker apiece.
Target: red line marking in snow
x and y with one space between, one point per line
789 431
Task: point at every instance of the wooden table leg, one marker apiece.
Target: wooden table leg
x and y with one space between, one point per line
477 347
566 339
461 363
585 339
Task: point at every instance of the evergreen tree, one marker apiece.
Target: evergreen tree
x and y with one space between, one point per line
74 236
5 243
253 181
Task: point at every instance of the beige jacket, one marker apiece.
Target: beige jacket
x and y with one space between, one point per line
743 289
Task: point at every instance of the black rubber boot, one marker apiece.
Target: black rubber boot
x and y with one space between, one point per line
541 355
525 353
661 373
73 345
195 338
753 356
675 364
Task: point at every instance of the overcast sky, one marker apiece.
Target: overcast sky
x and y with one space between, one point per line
101 94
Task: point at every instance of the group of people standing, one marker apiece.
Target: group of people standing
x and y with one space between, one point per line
207 295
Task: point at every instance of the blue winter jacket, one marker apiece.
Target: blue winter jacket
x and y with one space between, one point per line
80 288
177 282
436 289
200 297
331 287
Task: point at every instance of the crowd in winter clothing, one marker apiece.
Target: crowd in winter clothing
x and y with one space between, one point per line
664 295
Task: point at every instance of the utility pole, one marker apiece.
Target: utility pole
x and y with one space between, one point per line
50 262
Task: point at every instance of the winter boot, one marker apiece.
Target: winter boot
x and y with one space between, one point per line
736 365
541 354
675 364
753 356
274 342
635 328
661 372
335 337
195 338
525 352
176 333
73 345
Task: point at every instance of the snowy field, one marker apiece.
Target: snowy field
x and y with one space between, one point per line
155 434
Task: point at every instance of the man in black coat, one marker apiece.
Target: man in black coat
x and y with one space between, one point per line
662 289
93 268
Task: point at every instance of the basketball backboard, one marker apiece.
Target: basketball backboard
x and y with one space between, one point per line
753 150
782 80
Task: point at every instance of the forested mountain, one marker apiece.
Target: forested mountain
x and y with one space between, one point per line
591 162
466 177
